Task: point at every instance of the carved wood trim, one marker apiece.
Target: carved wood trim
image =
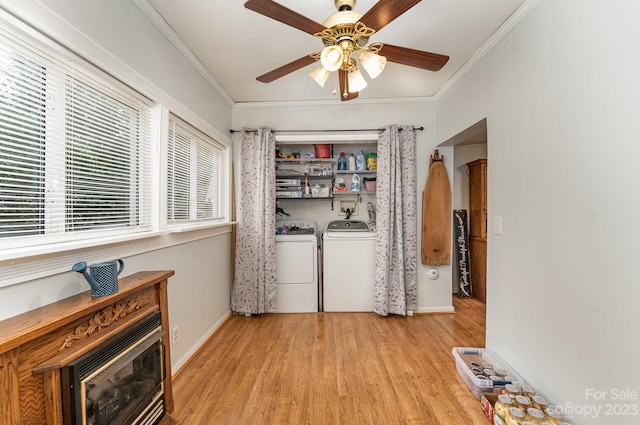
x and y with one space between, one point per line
63 358
102 319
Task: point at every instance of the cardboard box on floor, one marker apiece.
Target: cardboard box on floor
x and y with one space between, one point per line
488 401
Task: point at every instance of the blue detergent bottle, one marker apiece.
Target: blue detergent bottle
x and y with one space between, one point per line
342 162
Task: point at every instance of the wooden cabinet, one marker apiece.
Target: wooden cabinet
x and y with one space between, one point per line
478 227
478 198
478 260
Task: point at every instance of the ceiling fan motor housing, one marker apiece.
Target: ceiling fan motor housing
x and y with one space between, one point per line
345 4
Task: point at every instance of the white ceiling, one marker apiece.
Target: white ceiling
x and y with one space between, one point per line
235 44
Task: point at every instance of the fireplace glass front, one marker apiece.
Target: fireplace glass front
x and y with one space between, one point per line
121 381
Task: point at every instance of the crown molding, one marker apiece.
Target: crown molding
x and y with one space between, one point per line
157 20
332 102
513 20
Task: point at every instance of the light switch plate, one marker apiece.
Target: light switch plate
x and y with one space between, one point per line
497 224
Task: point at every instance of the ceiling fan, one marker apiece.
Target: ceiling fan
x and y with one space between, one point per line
345 35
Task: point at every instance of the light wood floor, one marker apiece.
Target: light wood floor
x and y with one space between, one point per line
333 368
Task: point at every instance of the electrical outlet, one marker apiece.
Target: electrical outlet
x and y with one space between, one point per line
344 204
174 336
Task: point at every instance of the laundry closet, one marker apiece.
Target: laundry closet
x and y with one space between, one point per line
325 222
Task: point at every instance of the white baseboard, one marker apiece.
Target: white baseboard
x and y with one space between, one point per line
175 368
427 310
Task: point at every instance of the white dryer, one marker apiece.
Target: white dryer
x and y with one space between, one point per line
349 266
296 266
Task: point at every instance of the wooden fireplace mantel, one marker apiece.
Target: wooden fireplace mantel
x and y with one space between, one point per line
34 346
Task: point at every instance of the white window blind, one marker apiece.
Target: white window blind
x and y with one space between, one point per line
74 151
194 175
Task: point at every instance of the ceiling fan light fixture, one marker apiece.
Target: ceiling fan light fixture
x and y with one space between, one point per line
372 63
331 58
356 81
320 75
345 35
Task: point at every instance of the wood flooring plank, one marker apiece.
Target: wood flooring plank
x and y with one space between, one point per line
333 368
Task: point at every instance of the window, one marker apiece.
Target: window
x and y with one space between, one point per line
194 175
74 151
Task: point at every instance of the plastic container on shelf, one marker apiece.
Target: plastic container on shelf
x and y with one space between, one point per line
361 165
320 191
322 150
352 162
372 161
342 162
355 183
369 184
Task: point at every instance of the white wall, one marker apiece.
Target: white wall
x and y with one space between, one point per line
560 94
122 29
199 292
433 295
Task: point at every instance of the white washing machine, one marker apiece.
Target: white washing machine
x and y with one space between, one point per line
349 266
296 266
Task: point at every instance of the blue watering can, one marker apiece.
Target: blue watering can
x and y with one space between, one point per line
103 277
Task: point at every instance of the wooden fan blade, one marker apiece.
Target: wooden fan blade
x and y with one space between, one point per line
286 69
282 14
344 86
386 11
417 58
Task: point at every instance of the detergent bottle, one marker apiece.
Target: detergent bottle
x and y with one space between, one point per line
342 162
352 162
355 183
360 161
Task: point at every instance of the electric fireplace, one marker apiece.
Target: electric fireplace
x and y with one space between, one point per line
121 382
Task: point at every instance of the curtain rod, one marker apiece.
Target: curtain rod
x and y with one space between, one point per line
326 131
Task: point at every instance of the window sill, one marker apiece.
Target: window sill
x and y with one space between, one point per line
11 255
19 265
198 226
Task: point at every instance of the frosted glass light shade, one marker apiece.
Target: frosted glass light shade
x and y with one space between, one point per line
372 63
356 81
331 58
320 75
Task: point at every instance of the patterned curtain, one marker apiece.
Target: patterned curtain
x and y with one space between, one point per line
254 289
396 288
